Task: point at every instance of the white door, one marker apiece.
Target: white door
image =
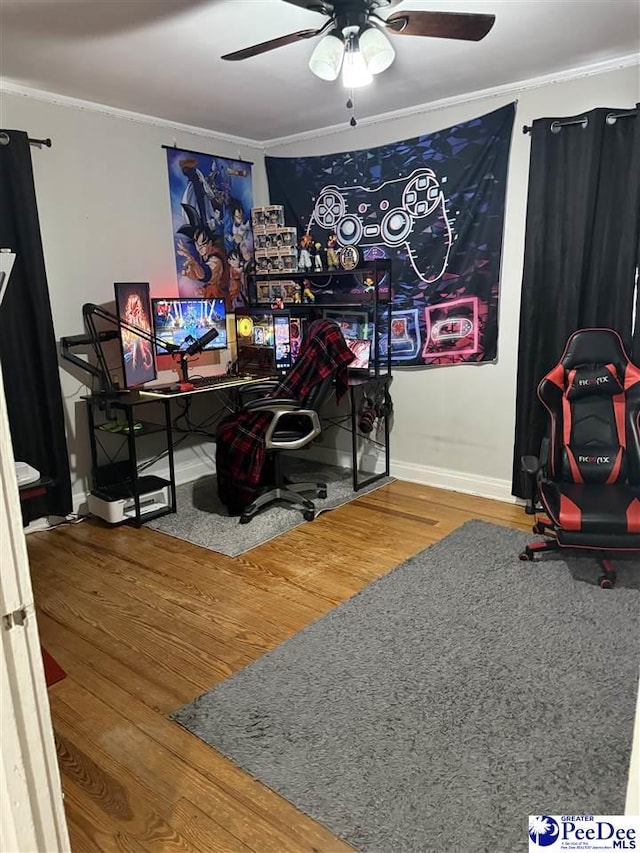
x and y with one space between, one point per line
31 810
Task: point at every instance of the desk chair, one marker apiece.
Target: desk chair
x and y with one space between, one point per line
587 477
293 426
249 442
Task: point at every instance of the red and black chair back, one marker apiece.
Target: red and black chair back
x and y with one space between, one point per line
591 486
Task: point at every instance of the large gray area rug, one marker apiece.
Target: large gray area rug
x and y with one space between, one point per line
438 708
202 518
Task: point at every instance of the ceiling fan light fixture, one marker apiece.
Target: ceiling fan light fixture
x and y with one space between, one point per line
355 73
376 50
326 59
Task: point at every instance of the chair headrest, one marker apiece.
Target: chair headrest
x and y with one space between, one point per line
593 380
594 346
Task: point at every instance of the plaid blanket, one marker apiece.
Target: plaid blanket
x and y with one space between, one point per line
240 450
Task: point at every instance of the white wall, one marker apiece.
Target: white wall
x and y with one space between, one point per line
104 213
454 425
104 208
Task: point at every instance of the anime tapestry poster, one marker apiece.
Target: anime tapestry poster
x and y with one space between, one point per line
211 201
434 205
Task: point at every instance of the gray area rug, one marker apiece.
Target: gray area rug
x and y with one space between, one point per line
203 520
438 708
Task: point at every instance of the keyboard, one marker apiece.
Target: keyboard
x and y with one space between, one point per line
224 380
202 383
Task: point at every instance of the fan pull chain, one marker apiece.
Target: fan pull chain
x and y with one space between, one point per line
350 106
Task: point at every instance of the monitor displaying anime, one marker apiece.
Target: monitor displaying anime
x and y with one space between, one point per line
183 321
133 307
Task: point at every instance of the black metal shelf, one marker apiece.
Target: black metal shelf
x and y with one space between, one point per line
375 302
146 428
118 477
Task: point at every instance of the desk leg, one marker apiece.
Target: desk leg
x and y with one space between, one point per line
172 473
92 444
133 462
377 383
354 437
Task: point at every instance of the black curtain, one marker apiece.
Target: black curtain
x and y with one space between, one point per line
581 250
28 351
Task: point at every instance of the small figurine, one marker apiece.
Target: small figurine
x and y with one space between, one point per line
333 262
368 283
277 303
307 295
317 258
297 294
304 256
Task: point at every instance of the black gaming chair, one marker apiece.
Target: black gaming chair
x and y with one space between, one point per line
587 478
294 425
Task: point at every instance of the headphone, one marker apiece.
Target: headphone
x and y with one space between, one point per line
373 410
368 417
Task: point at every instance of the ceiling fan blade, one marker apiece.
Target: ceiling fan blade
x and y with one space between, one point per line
272 44
313 5
468 26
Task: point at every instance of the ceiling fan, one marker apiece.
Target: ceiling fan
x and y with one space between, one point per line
355 40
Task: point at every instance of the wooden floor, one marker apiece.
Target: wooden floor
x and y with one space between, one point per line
143 623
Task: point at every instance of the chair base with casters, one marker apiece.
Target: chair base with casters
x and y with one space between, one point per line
586 479
293 426
544 527
284 491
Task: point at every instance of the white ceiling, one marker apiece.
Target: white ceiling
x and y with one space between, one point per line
162 57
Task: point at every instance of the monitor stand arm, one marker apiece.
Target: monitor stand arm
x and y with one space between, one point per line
184 367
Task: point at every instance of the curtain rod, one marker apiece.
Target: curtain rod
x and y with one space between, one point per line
5 139
204 154
610 119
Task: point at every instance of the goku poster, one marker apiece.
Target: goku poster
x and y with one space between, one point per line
211 201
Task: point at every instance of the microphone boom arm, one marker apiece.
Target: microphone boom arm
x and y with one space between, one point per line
95 338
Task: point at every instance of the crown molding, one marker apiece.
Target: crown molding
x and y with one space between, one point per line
13 88
626 61
506 90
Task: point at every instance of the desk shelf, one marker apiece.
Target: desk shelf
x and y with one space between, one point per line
145 428
119 478
359 301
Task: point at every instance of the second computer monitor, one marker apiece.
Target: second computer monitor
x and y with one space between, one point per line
132 309
183 321
268 342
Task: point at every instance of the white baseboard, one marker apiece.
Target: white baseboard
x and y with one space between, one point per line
441 478
454 481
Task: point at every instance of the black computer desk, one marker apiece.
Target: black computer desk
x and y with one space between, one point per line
133 410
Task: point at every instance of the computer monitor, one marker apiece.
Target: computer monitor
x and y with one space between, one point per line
361 348
358 332
134 308
183 321
267 342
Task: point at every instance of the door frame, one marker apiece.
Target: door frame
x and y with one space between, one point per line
32 814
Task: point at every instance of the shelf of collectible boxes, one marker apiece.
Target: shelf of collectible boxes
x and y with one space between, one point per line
366 289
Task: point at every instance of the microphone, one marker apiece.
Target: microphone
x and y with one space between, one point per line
200 344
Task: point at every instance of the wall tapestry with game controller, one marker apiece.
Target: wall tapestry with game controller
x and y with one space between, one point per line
211 201
435 206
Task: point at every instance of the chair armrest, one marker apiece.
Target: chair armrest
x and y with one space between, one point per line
314 429
272 404
535 467
256 391
530 464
